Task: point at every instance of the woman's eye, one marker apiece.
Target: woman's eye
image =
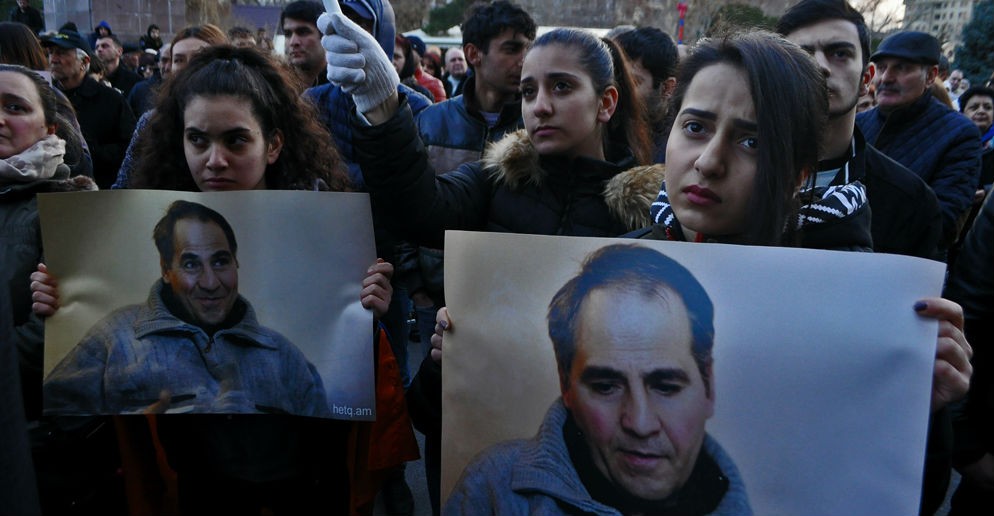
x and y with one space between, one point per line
14 108
561 86
750 142
527 91
693 127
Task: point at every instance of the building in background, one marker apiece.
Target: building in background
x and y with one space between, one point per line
129 19
944 19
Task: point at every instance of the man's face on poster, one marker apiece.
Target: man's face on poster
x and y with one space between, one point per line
636 392
203 273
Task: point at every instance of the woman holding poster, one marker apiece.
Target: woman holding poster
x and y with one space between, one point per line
36 135
757 150
574 169
736 162
35 139
233 119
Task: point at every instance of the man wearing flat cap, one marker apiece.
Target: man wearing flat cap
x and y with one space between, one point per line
921 133
104 116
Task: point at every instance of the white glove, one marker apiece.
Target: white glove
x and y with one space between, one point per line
356 62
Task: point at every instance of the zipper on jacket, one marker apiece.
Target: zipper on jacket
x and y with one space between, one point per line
567 206
210 344
486 140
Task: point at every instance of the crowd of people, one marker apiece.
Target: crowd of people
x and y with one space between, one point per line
800 137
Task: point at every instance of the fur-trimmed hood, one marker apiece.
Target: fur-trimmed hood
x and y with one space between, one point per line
628 190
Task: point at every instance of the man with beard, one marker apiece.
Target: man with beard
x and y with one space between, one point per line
905 213
303 41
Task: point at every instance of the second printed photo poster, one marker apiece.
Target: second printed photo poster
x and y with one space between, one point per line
756 380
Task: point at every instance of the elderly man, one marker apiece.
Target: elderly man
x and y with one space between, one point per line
633 334
195 346
455 72
104 116
953 83
909 125
109 51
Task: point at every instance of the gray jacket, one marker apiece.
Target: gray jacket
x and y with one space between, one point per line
133 354
536 476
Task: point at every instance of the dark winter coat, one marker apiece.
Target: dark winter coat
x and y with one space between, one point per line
20 253
455 133
906 217
512 189
107 124
935 142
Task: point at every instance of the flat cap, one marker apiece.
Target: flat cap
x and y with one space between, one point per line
918 47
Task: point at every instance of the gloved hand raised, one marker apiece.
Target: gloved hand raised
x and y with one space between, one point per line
356 62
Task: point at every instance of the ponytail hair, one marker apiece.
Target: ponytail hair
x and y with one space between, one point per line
630 121
607 65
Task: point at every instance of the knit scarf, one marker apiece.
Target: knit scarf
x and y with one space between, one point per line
37 162
831 203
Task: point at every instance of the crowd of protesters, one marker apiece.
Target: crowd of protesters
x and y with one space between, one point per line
563 133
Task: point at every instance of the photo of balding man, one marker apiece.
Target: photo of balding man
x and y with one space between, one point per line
615 376
219 303
636 393
195 343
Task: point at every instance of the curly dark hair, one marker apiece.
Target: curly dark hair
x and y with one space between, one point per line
309 159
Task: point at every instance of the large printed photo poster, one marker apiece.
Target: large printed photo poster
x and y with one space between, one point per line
815 401
252 305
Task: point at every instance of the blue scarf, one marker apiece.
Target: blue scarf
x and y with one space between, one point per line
985 140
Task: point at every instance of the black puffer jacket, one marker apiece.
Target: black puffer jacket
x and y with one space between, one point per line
512 189
20 253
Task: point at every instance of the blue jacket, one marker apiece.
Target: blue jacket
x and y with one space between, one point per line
129 357
537 476
935 142
455 133
335 106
